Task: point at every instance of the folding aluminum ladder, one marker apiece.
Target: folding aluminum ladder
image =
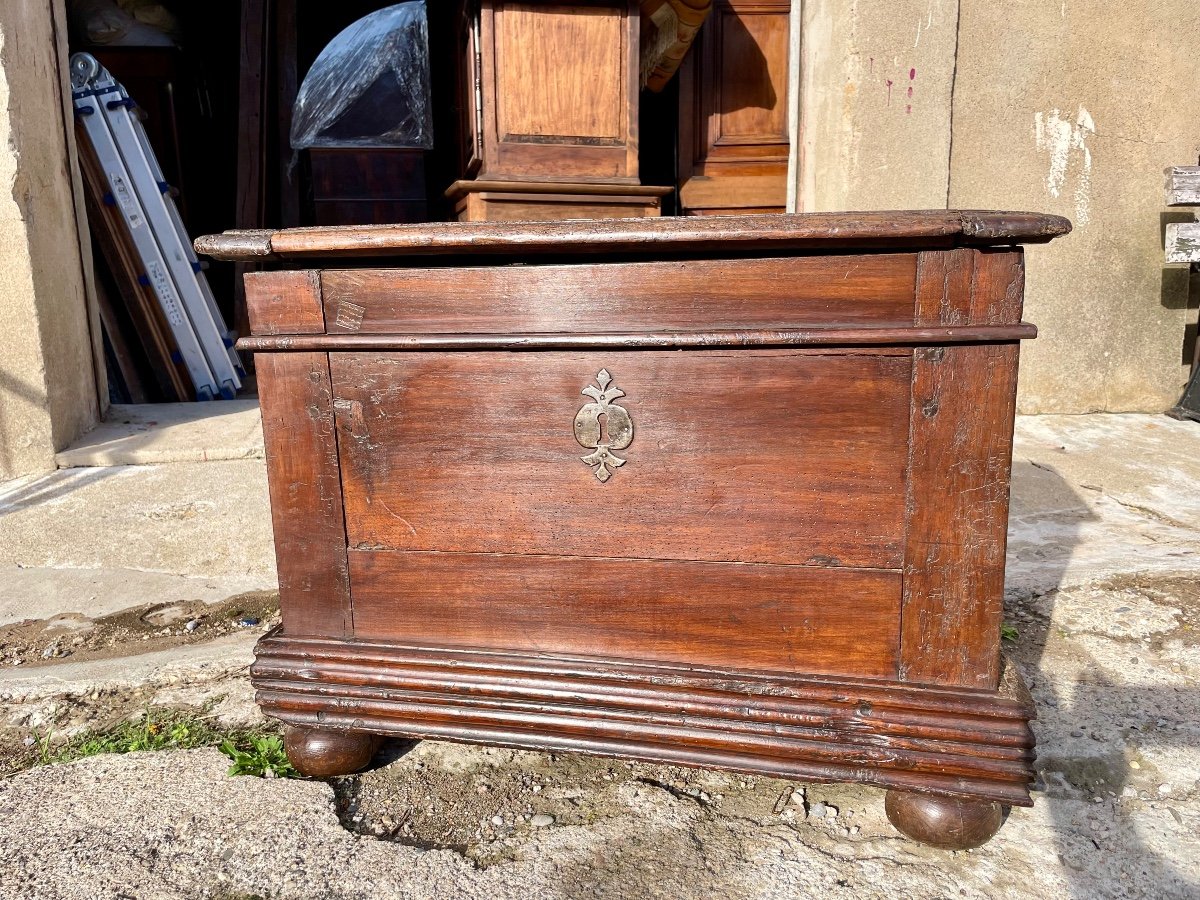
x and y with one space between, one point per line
142 196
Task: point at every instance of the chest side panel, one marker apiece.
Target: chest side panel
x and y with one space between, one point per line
781 457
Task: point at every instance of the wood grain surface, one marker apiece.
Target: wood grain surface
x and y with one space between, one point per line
963 403
306 493
590 189
284 302
723 236
793 457
797 619
780 293
540 92
948 823
516 206
550 115
324 753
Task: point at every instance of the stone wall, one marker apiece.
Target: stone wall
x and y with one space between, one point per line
1072 107
48 374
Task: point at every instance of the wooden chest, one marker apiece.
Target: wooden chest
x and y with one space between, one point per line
718 492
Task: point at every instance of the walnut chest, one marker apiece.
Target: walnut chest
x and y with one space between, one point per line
723 492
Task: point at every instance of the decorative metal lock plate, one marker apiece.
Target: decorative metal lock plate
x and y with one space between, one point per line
603 427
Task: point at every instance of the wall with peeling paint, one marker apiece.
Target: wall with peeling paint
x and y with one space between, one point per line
48 380
1072 107
1076 107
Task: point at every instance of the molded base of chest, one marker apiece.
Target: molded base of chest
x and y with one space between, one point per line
955 742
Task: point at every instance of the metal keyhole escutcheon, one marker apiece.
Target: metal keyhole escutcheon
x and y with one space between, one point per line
602 427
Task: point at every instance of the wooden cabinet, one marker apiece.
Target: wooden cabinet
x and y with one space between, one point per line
508 508
733 111
559 90
549 93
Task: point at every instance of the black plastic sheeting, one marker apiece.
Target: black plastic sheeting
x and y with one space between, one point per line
369 87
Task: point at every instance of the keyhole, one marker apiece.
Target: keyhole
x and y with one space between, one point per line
602 421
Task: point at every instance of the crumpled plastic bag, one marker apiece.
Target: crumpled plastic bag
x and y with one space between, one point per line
369 87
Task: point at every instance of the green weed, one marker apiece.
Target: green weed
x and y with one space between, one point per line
252 752
156 729
261 755
1009 633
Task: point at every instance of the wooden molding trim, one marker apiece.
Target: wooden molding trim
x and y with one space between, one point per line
463 187
961 742
815 337
726 235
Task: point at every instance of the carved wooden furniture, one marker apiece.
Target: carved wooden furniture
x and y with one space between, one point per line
733 111
549 93
715 492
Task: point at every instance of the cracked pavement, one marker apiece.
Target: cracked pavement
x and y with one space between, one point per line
1103 588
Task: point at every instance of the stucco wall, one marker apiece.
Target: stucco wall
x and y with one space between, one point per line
1076 108
875 88
48 379
1073 107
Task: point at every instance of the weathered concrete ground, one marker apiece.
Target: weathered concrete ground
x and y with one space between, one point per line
1103 587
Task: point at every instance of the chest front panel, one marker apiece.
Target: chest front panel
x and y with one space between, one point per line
762 463
774 479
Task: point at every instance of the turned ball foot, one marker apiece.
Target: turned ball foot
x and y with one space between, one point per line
321 752
949 823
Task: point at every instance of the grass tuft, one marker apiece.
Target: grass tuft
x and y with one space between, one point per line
253 752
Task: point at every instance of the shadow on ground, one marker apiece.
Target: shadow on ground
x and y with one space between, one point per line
1090 728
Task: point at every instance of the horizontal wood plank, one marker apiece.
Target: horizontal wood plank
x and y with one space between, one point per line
477 185
1183 186
1183 243
792 457
723 236
514 206
787 292
780 618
